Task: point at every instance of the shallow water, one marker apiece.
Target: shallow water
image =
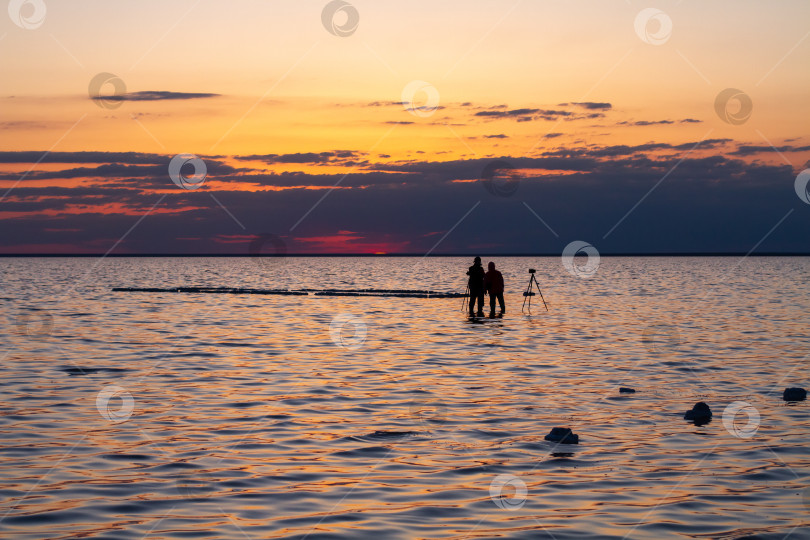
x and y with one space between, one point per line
132 415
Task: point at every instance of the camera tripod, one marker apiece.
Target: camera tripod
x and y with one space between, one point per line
529 293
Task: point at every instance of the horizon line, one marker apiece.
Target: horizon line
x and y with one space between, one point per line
421 255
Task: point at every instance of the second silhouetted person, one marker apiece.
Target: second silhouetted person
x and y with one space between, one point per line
493 281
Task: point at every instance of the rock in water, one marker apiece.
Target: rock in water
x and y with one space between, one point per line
794 394
625 390
562 435
699 413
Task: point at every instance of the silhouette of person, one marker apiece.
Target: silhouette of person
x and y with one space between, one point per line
493 281
476 285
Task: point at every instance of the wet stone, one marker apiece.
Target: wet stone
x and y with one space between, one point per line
700 413
794 394
562 435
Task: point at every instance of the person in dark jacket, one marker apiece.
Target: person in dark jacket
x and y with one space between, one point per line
493 281
476 285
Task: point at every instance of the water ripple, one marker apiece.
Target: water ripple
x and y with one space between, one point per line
192 416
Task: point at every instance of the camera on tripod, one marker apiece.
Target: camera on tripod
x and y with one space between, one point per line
529 292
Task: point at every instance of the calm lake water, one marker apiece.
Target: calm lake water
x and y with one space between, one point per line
158 415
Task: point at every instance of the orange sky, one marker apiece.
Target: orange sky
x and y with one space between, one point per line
254 77
287 85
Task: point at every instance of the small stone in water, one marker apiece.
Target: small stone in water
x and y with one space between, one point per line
625 390
699 413
794 394
562 435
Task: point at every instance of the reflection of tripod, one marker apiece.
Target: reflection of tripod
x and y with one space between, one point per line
528 294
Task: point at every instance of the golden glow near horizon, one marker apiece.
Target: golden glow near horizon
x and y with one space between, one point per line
286 85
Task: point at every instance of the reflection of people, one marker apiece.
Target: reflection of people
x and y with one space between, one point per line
476 285
493 281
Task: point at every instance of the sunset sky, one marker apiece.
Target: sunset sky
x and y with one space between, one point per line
376 140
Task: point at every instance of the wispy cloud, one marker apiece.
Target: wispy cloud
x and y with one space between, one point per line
646 123
156 95
319 158
749 150
133 158
527 114
590 105
657 122
514 113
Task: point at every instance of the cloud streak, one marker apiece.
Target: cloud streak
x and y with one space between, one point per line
156 95
319 158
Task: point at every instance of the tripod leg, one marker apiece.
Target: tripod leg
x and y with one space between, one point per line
543 299
526 297
541 292
530 296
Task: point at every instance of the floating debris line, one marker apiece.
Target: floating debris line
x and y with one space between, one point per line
394 293
211 290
